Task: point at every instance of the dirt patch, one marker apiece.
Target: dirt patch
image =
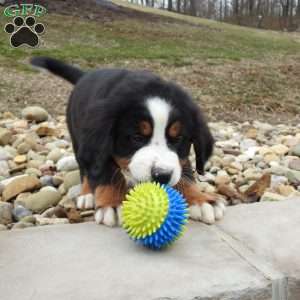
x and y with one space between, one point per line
222 90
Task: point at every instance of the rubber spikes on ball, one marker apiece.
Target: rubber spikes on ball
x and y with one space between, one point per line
154 215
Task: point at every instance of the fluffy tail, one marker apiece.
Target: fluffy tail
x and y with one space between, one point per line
58 68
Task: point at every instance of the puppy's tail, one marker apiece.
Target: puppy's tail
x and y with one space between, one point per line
58 68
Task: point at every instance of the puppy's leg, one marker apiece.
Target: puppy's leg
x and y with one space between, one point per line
109 194
86 198
204 207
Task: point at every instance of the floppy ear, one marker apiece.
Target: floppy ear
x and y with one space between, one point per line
202 140
96 139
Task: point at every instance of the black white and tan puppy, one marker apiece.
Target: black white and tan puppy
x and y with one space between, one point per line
132 126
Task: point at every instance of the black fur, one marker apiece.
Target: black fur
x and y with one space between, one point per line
105 107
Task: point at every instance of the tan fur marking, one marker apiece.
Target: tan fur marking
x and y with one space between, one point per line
85 188
175 129
122 162
110 195
193 194
145 128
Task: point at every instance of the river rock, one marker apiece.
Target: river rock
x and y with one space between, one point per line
35 113
280 149
50 221
5 136
67 163
46 180
285 190
5 155
20 159
71 179
296 150
74 191
20 185
268 196
4 168
19 212
23 148
293 176
33 172
41 200
294 164
55 155
5 213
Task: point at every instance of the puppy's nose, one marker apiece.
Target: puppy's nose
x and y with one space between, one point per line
160 175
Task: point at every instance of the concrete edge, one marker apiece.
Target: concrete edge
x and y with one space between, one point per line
278 280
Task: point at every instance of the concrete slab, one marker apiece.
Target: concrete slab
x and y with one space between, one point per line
271 231
88 261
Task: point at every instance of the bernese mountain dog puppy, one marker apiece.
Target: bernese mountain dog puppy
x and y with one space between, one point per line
132 126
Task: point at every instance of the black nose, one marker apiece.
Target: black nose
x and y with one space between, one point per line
161 176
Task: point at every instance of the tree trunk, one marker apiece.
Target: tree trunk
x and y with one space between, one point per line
170 5
178 6
193 9
185 6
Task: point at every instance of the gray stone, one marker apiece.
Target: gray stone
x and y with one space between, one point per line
19 212
4 154
4 168
46 180
268 196
41 200
295 164
296 150
50 221
35 113
74 191
293 176
5 213
34 172
67 163
5 136
55 154
57 180
71 179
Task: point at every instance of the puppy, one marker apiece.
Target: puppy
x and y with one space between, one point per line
131 126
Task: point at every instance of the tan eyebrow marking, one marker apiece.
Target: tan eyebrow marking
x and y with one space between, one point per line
145 128
175 129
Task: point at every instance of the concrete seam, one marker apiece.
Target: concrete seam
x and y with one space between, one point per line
278 279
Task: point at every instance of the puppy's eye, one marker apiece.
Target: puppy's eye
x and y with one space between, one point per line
176 140
138 138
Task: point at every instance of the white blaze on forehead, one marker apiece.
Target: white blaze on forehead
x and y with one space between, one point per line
159 110
156 154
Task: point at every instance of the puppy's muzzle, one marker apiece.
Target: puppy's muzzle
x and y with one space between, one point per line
160 175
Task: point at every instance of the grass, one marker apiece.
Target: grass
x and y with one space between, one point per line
238 66
133 39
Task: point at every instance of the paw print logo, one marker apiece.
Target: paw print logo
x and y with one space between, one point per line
24 32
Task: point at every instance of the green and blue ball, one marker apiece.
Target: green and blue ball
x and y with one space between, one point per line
154 215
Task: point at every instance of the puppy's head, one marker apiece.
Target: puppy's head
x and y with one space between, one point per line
152 130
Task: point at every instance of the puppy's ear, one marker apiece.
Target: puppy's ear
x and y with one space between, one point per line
202 140
96 139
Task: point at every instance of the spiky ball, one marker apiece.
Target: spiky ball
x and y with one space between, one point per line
154 215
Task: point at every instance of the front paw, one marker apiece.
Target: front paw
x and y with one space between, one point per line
207 213
85 201
109 216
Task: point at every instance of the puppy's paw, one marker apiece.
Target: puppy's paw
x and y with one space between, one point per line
85 201
108 216
207 213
